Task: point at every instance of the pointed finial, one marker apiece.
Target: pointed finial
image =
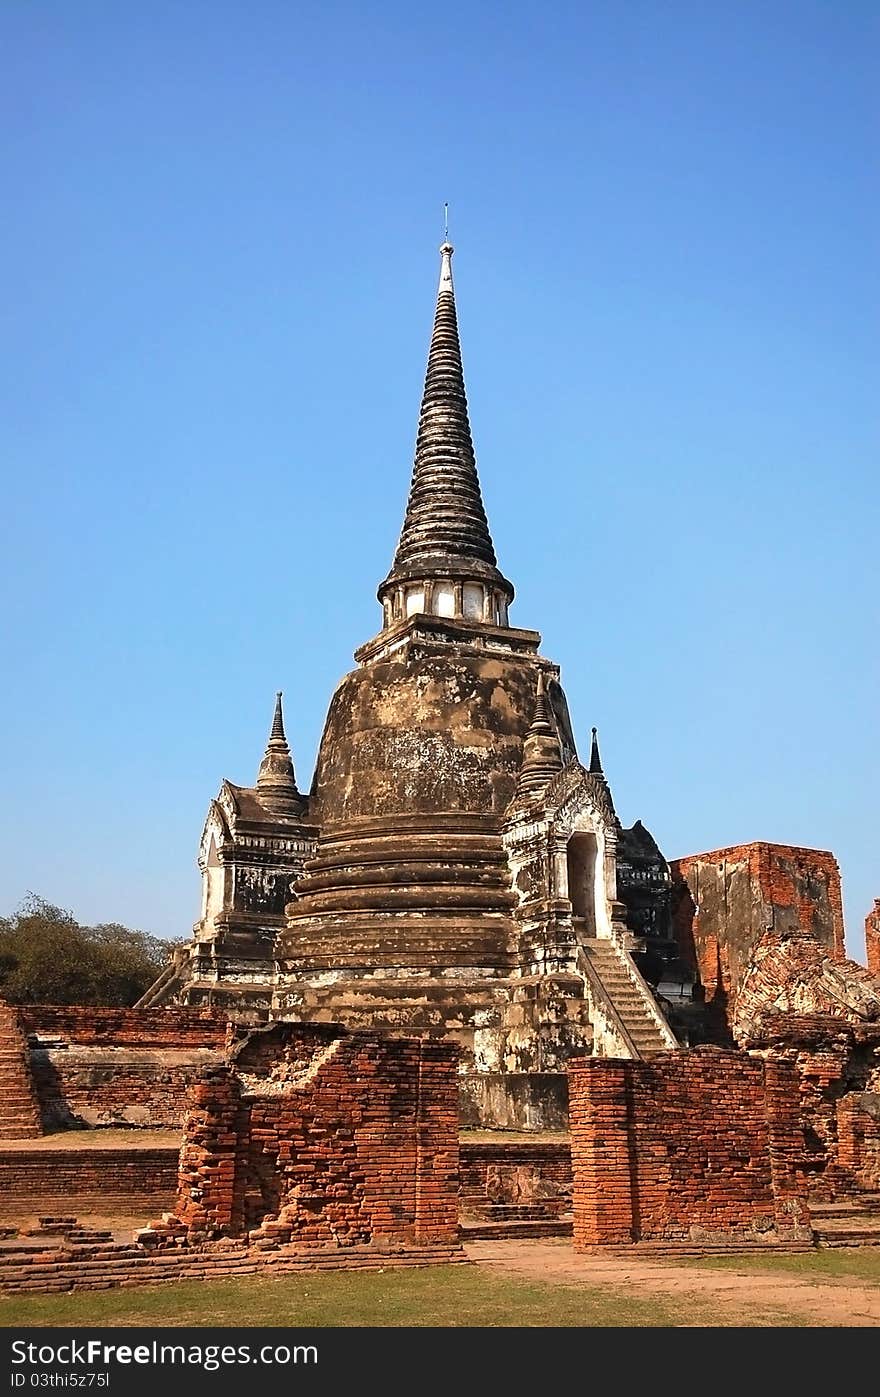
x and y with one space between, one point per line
446 251
541 721
542 758
276 780
595 759
278 718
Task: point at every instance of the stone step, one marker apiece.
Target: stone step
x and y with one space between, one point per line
634 1250
847 1237
513 1231
625 989
21 1252
626 997
862 1205
539 1211
145 1268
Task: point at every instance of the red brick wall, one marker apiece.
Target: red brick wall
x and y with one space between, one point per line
131 1183
550 1162
690 1145
80 1088
838 1071
326 1138
872 939
821 1081
725 900
858 1136
97 1066
119 1028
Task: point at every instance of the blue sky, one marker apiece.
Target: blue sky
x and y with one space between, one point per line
220 243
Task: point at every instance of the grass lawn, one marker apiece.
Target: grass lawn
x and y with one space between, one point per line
438 1296
860 1264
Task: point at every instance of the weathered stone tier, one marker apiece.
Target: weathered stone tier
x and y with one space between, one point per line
439 731
400 862
374 942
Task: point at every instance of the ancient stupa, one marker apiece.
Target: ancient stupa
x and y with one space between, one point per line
455 869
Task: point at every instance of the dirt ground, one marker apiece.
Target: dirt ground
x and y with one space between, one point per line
739 1293
107 1138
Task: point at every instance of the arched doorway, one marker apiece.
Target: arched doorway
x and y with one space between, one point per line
581 858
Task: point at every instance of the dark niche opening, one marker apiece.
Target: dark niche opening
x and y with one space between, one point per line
582 881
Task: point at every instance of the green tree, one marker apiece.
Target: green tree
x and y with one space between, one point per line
46 957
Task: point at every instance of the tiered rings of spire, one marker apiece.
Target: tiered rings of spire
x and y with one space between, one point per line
445 562
276 781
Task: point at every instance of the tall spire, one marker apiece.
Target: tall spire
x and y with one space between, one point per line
276 781
445 532
542 756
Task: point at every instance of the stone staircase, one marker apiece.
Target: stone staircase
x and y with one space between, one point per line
66 1226
847 1222
496 1221
19 1111
629 996
162 989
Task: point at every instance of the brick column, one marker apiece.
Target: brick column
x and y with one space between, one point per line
600 1151
210 1180
872 939
849 1137
786 1143
858 1140
19 1107
436 1212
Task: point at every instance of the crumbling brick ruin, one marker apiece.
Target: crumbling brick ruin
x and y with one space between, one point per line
725 901
323 1137
702 1147
762 925
19 1105
872 938
454 929
823 1018
91 1066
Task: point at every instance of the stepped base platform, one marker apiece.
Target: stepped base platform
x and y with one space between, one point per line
104 1266
848 1222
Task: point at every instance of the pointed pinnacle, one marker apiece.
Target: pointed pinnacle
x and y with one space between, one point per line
595 759
542 757
276 778
541 721
445 525
445 512
278 719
